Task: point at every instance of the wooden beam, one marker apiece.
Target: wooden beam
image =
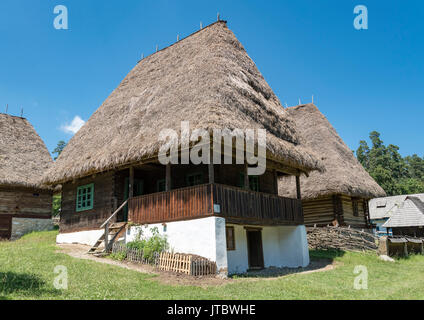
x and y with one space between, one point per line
211 172
246 177
131 185
168 177
299 194
275 181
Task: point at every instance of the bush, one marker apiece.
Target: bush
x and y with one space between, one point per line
156 243
118 256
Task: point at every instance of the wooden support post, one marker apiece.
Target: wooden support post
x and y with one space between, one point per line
107 237
211 172
299 195
246 177
131 184
168 177
275 181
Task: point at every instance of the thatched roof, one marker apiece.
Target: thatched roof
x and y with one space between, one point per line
409 214
24 157
343 173
207 79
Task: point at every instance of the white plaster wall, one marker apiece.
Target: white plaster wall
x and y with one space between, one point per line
204 237
83 237
283 246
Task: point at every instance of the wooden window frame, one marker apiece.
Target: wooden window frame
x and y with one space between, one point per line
192 175
233 242
355 207
79 207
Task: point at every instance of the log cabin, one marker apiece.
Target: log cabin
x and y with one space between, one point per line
338 195
111 175
25 204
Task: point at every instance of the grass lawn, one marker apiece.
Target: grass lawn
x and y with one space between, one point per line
27 272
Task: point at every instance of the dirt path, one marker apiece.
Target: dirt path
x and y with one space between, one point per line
80 252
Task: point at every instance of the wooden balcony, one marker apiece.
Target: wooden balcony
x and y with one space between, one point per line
236 205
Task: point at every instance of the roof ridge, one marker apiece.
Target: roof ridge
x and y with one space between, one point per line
182 39
11 115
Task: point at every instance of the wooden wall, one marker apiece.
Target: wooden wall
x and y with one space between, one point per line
25 203
335 209
103 205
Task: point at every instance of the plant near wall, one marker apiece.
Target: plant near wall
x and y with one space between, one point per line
157 243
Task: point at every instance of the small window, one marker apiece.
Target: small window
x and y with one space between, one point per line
85 197
229 234
253 182
161 185
355 208
194 179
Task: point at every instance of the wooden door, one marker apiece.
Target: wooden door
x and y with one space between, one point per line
255 249
5 227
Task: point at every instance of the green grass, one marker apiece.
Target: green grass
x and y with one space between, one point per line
27 272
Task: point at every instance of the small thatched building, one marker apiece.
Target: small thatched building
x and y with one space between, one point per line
213 210
25 204
340 194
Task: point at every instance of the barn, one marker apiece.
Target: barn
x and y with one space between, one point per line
25 204
340 194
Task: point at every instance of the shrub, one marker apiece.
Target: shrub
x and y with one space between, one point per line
149 246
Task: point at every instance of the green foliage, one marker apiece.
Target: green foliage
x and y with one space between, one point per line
59 148
120 256
395 174
57 203
149 246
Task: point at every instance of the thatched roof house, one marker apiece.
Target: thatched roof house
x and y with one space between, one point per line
24 159
340 193
207 79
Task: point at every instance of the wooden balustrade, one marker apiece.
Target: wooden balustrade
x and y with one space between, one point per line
234 204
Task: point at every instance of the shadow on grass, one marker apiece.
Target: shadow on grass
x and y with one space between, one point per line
320 260
26 284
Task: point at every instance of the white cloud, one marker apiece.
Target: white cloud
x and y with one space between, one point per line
74 126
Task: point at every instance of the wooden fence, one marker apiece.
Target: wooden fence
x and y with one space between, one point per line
166 261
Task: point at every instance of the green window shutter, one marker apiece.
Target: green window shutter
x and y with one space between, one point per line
85 197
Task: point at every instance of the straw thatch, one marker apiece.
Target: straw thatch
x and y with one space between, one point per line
24 157
207 79
343 173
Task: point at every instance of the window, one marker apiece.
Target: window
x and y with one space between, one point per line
355 207
253 182
231 243
161 185
194 179
85 197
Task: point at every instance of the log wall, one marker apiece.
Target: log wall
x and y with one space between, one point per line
103 205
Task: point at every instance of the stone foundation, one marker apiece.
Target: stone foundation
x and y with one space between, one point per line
22 226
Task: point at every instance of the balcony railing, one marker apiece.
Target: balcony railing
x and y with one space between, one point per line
234 204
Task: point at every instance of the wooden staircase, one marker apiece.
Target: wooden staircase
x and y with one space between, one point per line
112 232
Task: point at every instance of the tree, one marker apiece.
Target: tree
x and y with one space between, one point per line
395 174
59 148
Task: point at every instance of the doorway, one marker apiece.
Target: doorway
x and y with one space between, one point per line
255 249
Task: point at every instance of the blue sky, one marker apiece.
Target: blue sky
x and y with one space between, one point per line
362 80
